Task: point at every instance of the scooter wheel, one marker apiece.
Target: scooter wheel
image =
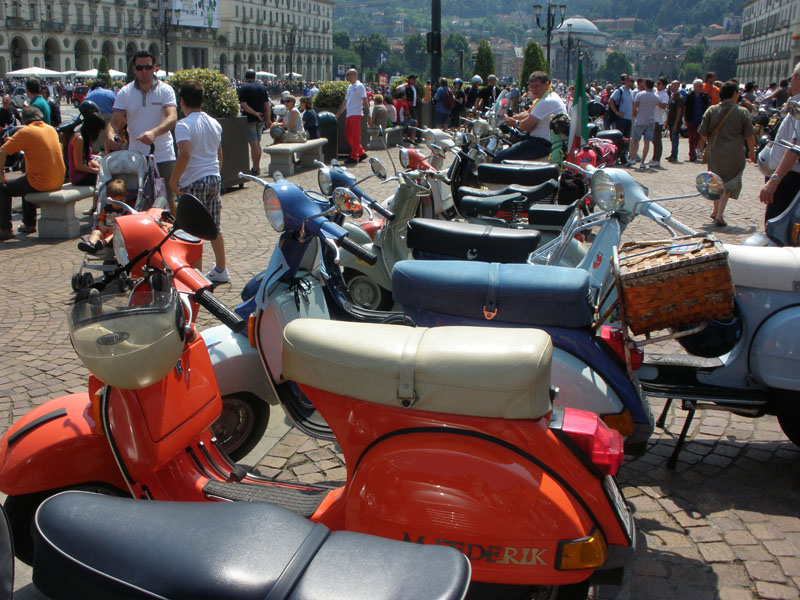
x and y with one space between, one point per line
239 428
790 423
365 292
77 278
87 280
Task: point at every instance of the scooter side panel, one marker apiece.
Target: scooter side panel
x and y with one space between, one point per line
775 352
507 515
237 365
62 450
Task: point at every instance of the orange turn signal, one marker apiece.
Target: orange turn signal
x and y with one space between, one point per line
586 553
251 330
622 422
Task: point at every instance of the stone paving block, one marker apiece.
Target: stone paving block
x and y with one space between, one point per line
765 571
790 565
714 552
781 548
732 593
751 553
282 450
739 537
774 591
337 474
704 534
765 531
731 574
305 469
320 454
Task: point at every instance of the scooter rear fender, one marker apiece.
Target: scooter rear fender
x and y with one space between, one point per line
507 513
56 445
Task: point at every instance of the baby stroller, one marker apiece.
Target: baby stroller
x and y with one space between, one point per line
132 168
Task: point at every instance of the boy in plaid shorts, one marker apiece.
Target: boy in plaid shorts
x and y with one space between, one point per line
196 172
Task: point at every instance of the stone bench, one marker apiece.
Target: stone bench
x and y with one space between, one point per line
394 137
281 156
58 218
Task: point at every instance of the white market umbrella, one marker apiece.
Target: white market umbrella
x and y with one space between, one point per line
33 72
116 74
265 74
293 75
92 73
162 74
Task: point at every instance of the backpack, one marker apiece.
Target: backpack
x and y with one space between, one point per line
449 101
605 150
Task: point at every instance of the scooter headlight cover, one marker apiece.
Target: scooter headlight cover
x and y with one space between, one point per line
120 251
404 158
272 208
324 181
606 194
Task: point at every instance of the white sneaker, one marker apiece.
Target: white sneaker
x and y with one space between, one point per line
215 276
642 167
635 159
655 163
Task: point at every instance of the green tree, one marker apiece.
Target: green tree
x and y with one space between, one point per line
376 44
695 54
341 39
414 53
455 42
102 72
533 60
616 64
484 61
691 71
723 61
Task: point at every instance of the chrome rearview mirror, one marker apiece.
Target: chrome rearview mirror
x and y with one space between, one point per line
377 168
348 202
710 185
437 150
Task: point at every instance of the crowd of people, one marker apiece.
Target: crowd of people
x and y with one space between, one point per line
715 117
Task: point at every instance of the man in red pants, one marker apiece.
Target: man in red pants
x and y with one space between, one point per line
356 104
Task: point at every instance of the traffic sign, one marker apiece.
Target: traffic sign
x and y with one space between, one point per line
383 58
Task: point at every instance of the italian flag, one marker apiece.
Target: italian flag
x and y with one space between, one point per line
579 119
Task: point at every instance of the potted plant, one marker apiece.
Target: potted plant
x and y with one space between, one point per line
222 103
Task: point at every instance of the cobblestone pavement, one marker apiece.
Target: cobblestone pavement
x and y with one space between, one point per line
725 524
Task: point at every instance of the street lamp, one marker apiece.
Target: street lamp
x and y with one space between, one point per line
361 43
291 37
167 16
550 22
569 47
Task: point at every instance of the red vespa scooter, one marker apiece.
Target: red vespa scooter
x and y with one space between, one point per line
443 444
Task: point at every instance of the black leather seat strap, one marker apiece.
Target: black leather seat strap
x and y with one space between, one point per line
299 562
490 306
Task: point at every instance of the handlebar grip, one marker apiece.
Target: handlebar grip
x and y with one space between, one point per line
384 212
357 250
212 304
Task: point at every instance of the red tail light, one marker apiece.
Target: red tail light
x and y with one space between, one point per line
614 338
602 445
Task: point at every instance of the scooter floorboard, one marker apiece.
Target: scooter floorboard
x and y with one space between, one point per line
302 502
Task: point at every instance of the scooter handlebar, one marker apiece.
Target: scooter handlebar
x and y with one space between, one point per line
385 213
357 250
205 298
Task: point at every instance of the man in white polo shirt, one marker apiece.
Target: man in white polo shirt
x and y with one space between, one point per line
149 108
356 104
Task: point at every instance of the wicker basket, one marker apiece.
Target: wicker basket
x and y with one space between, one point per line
661 289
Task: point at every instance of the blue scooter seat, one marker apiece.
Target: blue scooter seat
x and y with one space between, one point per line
93 546
529 295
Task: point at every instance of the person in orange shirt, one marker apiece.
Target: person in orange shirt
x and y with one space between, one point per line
44 169
710 89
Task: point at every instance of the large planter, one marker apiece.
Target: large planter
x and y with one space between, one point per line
343 148
235 151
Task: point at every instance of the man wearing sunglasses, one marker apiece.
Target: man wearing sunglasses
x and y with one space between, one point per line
148 107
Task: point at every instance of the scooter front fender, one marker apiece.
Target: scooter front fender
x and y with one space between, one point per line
506 512
376 273
237 365
775 351
56 445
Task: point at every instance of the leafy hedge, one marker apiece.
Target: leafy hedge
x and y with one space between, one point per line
330 95
220 99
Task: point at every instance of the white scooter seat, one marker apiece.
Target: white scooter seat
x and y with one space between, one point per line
766 268
479 371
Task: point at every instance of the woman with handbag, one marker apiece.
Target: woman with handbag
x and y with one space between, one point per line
724 128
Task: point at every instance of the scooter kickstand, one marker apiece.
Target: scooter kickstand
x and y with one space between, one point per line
689 407
662 419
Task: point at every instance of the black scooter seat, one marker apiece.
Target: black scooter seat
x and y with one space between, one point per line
471 241
472 206
544 193
614 135
519 174
93 546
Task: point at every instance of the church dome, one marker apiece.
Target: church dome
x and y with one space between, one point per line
579 25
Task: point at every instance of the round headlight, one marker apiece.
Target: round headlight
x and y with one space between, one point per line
605 193
120 251
272 208
404 158
324 181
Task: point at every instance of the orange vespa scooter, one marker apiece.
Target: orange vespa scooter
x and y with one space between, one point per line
444 444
